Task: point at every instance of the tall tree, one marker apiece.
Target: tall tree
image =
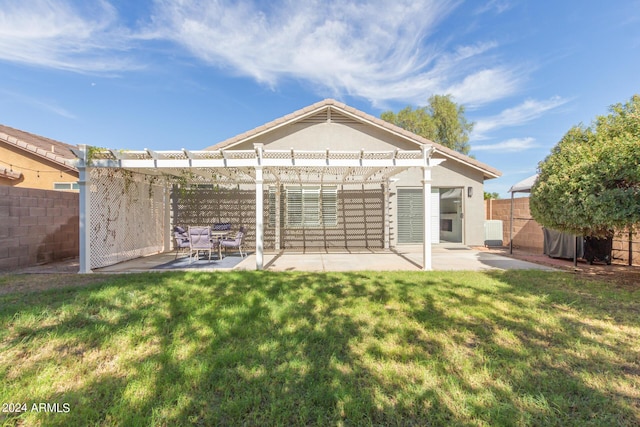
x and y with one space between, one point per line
590 183
441 121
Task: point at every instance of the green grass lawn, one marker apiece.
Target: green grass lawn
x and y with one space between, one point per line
261 348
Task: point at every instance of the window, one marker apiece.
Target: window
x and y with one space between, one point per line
66 186
308 206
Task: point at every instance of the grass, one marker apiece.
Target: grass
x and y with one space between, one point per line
261 348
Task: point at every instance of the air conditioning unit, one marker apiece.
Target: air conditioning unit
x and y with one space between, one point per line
493 232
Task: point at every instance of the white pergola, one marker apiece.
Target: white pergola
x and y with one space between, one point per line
259 166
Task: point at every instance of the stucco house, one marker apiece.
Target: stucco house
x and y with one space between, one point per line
33 161
354 212
327 175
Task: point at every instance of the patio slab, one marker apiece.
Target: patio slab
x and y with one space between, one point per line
408 258
444 257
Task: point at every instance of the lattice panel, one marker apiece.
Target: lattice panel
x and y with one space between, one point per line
360 217
198 206
127 216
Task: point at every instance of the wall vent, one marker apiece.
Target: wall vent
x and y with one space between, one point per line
329 116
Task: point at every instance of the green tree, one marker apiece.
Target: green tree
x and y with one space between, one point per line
493 195
441 121
590 183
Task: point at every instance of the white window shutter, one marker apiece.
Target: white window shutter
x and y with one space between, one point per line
330 206
294 206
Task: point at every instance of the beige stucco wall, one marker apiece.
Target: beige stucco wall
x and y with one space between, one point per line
449 174
335 136
355 136
36 172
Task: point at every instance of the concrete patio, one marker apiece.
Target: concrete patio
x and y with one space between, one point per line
445 257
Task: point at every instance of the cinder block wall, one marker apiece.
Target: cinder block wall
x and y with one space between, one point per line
37 226
527 233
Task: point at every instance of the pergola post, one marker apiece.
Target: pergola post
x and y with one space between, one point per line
167 219
84 208
277 234
426 196
259 210
387 220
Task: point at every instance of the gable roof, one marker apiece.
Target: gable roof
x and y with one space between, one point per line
46 148
362 117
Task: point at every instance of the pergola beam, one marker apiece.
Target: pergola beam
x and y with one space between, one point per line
250 158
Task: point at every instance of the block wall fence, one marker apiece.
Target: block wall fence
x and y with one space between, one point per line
37 226
528 236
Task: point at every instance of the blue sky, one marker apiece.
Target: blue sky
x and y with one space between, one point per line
171 74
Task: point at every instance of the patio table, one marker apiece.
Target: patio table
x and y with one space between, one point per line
218 235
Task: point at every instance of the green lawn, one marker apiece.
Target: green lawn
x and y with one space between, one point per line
261 348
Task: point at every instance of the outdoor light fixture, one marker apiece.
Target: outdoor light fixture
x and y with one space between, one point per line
469 191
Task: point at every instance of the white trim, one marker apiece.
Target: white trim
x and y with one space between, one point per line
426 195
84 213
168 233
259 210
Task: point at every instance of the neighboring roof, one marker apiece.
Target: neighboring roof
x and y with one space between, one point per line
524 186
488 171
49 149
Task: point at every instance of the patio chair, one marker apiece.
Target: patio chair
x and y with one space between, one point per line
235 243
181 238
200 240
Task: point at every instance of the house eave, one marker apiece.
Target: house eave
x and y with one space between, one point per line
37 151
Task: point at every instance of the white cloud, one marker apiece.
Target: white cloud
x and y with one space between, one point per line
382 50
499 6
510 145
379 50
61 35
529 110
489 84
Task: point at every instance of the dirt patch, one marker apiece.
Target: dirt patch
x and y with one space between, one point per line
29 282
619 275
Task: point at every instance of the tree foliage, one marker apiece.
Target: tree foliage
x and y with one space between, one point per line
590 183
441 121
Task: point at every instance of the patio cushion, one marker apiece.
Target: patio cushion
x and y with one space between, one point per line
222 226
